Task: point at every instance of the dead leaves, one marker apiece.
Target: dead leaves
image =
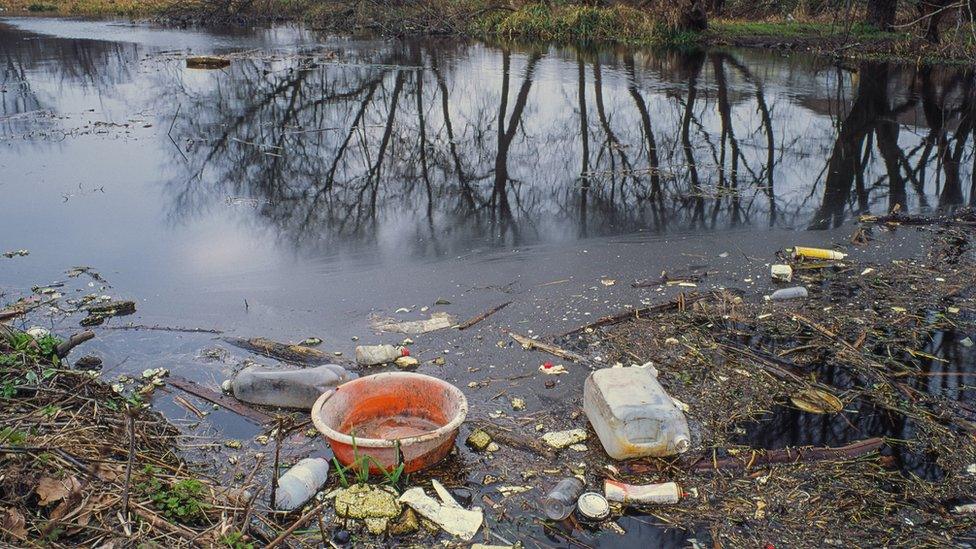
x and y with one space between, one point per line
13 523
74 509
52 490
816 401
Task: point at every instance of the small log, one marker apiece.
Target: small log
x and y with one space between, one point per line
760 458
207 62
23 306
98 313
295 354
225 401
65 347
472 321
514 440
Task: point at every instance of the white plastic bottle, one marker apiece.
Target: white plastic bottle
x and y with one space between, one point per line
288 388
633 415
796 292
370 355
300 483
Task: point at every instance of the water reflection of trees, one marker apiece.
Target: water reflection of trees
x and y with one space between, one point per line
445 145
64 63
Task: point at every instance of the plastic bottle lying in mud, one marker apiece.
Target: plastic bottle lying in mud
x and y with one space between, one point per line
796 292
561 500
288 388
300 483
666 493
370 355
633 415
817 253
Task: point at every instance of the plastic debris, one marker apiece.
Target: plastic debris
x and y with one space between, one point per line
781 273
796 292
592 506
633 415
478 440
370 355
667 493
817 253
966 509
374 505
16 253
38 332
311 341
563 439
816 401
551 369
437 321
447 514
300 483
407 362
559 502
288 388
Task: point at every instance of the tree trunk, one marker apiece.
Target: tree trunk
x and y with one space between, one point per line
881 13
693 16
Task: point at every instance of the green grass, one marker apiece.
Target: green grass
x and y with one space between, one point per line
795 30
574 23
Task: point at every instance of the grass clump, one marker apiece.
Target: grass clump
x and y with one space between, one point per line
183 501
576 22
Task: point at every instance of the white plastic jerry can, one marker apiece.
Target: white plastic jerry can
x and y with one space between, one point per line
633 415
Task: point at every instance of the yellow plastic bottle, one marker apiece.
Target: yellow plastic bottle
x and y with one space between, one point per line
817 253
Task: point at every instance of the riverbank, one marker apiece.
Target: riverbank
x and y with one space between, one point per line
556 22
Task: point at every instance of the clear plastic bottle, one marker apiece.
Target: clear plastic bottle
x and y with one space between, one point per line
300 483
288 388
561 500
633 415
370 355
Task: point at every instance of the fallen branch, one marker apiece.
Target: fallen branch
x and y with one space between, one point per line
219 399
666 278
77 339
759 458
472 321
165 329
295 354
529 343
296 525
21 308
965 217
514 440
677 304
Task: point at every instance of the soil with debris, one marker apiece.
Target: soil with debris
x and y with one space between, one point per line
892 342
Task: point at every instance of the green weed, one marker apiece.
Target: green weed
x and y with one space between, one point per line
235 540
182 501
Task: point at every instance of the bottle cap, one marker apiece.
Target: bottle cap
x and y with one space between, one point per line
593 506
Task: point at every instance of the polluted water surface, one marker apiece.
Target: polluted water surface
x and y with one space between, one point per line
316 184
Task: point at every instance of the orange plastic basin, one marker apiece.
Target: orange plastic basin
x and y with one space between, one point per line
422 412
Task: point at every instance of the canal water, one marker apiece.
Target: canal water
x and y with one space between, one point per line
319 182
